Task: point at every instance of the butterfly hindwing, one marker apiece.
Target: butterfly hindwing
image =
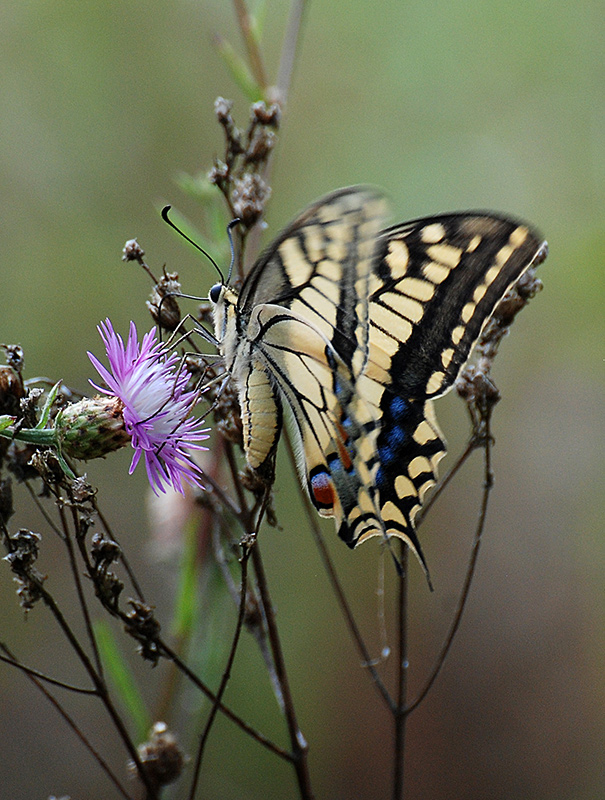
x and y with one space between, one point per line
354 331
435 283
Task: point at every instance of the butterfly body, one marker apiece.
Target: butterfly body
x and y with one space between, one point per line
354 330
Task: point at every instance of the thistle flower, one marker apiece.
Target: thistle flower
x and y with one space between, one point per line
157 406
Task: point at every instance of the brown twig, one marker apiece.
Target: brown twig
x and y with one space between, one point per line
400 712
37 678
246 546
248 729
254 56
440 660
289 51
297 742
337 588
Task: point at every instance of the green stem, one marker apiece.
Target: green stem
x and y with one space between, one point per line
44 436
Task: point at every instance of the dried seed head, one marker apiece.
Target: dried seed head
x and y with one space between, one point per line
29 591
250 194
222 109
132 251
104 551
23 551
161 756
219 174
14 356
19 461
266 115
142 625
48 467
163 305
260 146
28 410
108 588
24 547
82 491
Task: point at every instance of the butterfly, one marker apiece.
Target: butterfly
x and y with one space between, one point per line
351 332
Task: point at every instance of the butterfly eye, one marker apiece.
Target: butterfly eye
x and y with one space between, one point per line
215 293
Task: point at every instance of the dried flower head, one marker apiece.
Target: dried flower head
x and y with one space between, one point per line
132 251
161 756
163 304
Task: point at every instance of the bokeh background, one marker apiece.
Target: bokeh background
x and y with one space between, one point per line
446 106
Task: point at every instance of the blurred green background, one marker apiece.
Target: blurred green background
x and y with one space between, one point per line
446 106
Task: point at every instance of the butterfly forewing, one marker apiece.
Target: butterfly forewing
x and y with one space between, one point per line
320 267
436 282
354 331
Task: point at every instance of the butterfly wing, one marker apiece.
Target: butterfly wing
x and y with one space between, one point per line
316 275
355 332
435 283
320 267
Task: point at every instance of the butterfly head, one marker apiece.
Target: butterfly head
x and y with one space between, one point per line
224 312
215 293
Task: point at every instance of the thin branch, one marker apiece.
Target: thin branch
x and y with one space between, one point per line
487 486
400 713
227 672
34 673
472 445
103 694
290 50
254 56
475 386
298 744
47 518
239 489
78 583
337 588
37 678
222 495
248 729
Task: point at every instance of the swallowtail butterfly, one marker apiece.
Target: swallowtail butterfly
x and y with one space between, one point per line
353 331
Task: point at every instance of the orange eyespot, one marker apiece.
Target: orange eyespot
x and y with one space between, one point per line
322 490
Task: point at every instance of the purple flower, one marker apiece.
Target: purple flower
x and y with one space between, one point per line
147 380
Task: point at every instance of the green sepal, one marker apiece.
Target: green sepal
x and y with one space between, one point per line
45 415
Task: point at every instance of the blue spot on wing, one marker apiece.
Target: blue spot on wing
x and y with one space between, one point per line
398 408
382 481
387 454
394 440
396 436
334 462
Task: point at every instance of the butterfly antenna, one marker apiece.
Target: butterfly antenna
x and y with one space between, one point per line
230 227
167 219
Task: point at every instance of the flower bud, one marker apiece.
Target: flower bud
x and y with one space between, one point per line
92 428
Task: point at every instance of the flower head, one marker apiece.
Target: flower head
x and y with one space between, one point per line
147 380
